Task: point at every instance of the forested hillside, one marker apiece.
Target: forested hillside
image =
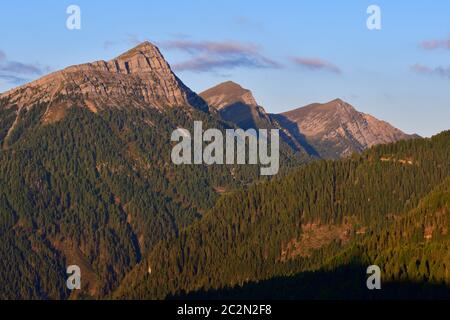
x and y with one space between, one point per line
388 206
414 254
98 190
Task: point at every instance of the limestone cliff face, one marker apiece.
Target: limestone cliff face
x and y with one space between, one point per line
336 129
138 78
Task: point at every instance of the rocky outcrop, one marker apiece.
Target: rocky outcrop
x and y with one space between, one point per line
138 78
336 129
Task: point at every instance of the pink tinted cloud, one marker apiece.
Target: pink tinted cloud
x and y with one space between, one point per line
207 63
316 64
210 56
16 67
439 71
436 44
216 47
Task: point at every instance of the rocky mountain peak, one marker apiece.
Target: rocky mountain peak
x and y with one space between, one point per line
238 105
228 93
145 57
145 48
140 77
338 124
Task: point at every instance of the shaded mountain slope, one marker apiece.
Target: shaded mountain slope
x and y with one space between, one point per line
238 105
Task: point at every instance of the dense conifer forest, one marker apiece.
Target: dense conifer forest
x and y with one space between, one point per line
99 191
313 233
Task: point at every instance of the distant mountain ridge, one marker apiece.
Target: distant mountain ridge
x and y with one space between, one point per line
238 105
336 129
330 130
225 94
141 78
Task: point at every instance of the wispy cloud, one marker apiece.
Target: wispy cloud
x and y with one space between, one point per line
436 44
210 56
211 63
20 68
212 47
108 44
179 35
244 22
133 39
129 40
15 72
12 79
439 71
316 64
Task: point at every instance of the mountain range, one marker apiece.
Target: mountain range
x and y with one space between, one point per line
330 130
86 179
142 78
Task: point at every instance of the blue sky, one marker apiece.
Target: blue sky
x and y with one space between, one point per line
289 53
